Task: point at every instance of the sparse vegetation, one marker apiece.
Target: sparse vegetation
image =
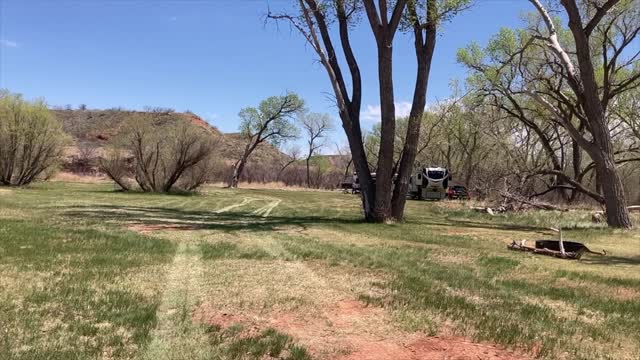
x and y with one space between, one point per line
163 156
545 129
192 276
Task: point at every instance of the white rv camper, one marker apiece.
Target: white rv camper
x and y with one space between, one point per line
429 183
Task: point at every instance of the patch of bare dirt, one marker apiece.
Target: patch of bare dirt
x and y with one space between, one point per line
625 293
350 330
208 315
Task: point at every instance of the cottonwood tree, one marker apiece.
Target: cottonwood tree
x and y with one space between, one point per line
31 140
273 121
381 202
532 75
315 128
500 79
609 27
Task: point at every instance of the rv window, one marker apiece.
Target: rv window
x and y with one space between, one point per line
436 175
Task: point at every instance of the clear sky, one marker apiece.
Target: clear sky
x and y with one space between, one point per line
212 57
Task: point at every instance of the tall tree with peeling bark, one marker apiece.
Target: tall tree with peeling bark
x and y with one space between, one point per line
381 201
615 25
273 121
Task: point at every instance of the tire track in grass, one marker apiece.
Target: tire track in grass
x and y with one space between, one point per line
244 202
266 210
175 336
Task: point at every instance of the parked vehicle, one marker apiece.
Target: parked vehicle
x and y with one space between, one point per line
458 192
430 183
355 184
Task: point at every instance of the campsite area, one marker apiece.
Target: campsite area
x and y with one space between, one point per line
284 274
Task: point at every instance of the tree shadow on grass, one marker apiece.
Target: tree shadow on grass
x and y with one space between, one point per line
467 224
177 219
180 219
590 259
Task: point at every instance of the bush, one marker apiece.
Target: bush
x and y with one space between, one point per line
161 153
31 140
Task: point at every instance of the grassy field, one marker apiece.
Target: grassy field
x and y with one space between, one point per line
86 272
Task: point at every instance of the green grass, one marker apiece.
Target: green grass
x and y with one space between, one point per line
232 345
62 295
86 272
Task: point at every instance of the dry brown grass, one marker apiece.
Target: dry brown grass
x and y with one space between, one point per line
82 179
269 186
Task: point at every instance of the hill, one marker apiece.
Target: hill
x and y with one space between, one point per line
91 131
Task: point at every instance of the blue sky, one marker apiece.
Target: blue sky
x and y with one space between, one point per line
212 57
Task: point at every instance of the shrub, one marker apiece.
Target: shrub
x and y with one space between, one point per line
31 140
161 153
115 164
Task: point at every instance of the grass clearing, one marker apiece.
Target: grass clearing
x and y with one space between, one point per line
86 272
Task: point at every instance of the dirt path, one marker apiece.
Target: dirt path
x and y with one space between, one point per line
316 305
175 336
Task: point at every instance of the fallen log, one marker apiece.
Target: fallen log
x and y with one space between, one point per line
561 249
566 255
537 205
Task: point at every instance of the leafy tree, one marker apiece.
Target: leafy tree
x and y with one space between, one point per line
272 121
31 140
613 24
563 84
381 201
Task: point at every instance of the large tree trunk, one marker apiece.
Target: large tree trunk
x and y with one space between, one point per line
367 190
614 197
602 151
424 46
577 165
238 168
410 149
384 173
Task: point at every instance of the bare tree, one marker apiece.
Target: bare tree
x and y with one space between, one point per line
164 152
293 154
346 160
315 127
115 164
272 121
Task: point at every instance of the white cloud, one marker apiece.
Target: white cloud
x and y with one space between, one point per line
8 43
373 112
403 109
